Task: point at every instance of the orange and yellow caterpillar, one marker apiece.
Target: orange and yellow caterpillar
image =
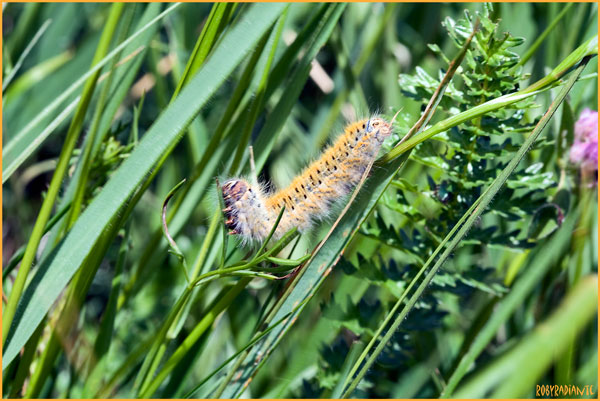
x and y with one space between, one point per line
251 212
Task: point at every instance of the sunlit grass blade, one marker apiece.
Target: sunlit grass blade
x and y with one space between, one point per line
57 177
152 150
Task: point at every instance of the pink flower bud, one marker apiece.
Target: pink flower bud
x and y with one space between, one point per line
584 151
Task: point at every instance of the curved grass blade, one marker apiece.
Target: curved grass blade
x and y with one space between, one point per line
152 150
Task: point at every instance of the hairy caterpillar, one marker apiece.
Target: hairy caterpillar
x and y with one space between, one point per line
251 211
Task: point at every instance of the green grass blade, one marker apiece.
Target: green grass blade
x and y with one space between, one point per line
15 43
267 136
123 78
534 47
257 103
87 156
218 17
485 199
35 75
538 264
97 364
354 353
232 357
200 328
201 176
535 353
25 362
6 81
152 150
313 274
415 129
129 364
588 48
59 173
25 141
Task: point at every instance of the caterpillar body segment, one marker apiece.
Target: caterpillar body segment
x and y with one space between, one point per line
251 212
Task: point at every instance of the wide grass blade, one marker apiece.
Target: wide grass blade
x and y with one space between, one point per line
59 173
123 78
152 150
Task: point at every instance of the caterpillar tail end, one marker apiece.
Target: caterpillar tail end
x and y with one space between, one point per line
233 191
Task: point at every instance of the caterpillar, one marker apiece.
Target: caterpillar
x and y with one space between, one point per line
251 211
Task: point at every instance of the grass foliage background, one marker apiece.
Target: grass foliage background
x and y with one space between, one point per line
107 107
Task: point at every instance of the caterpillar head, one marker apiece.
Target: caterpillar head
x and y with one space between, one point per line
233 191
382 128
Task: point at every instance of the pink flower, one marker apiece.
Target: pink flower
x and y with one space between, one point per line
584 151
